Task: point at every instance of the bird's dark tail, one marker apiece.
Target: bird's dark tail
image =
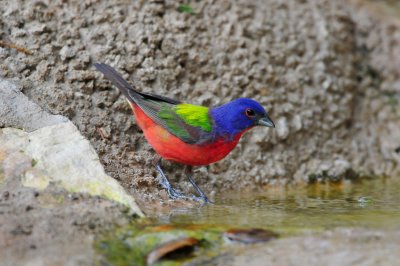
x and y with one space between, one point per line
111 74
130 93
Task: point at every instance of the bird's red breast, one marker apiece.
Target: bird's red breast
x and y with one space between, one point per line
172 148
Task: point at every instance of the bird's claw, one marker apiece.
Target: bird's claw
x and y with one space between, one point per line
173 194
176 194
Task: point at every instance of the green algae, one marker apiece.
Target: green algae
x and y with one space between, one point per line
130 245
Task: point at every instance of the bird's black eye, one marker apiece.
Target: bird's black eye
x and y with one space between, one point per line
250 112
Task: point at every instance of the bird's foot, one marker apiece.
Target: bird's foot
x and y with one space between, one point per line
174 194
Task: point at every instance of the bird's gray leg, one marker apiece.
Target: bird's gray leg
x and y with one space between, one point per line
172 193
203 197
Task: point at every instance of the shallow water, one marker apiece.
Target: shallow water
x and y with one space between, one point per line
286 211
371 203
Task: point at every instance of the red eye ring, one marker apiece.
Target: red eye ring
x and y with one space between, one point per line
250 112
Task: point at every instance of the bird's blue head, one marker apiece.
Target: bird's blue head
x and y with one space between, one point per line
239 115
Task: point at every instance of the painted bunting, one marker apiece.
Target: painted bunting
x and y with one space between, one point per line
188 134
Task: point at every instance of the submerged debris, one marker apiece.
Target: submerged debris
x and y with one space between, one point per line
170 247
249 236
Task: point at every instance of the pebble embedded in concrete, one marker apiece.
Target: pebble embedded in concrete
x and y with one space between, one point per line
282 128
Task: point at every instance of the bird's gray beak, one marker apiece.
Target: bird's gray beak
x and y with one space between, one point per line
266 121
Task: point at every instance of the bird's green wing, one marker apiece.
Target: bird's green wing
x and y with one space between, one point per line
194 115
190 123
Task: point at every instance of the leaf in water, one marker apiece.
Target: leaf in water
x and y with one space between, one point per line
169 247
248 236
186 9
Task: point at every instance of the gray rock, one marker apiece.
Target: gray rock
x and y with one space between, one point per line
17 111
59 154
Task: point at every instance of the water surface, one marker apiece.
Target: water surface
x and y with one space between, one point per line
370 203
286 211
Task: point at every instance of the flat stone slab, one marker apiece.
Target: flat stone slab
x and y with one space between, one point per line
58 154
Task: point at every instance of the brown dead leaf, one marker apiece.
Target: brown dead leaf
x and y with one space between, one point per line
169 247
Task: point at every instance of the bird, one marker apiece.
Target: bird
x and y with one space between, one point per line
188 134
